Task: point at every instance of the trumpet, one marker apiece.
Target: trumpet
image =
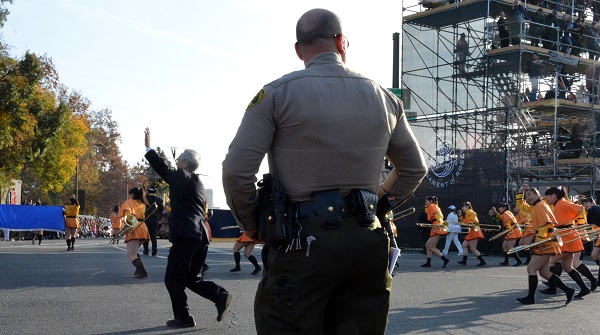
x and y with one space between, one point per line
132 224
556 238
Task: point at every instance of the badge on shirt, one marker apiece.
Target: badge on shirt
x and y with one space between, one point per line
257 99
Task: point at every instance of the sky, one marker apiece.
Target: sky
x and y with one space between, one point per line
187 69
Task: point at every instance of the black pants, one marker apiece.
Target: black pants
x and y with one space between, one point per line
183 271
152 227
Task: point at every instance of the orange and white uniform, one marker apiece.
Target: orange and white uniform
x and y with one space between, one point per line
116 221
542 220
568 214
509 221
71 213
470 217
137 209
436 218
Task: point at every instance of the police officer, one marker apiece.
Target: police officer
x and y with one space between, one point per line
152 220
313 286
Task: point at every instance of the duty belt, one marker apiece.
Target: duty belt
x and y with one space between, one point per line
72 217
309 208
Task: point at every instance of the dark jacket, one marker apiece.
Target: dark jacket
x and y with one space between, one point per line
187 199
593 215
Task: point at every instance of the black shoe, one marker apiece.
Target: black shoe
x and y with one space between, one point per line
526 301
426 265
68 248
146 252
549 290
570 293
223 305
446 261
185 323
205 268
594 286
546 283
518 264
154 252
583 293
256 271
235 269
503 263
481 264
461 262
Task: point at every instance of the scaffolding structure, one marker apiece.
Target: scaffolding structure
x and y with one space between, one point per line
492 112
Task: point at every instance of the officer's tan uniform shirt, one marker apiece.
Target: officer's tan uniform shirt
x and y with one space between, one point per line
331 128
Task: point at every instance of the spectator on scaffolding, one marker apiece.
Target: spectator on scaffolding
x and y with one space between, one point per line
566 34
517 23
578 133
591 38
550 33
578 29
534 70
535 27
503 30
462 51
564 84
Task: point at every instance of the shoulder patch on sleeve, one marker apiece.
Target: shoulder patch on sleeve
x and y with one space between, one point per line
257 99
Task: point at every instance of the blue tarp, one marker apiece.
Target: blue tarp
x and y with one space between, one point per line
32 217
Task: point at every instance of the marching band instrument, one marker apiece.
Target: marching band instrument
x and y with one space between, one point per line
533 245
131 224
593 235
231 227
443 226
395 216
506 232
481 226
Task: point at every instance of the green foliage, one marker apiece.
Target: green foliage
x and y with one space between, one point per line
4 11
48 132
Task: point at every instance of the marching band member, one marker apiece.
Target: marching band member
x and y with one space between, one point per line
115 221
138 234
453 230
510 239
593 217
542 220
469 217
436 218
70 214
528 233
568 215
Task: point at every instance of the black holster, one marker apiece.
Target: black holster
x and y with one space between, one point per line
273 213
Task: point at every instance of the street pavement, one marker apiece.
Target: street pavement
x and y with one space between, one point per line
47 290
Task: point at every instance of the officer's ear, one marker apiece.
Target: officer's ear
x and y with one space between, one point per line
298 52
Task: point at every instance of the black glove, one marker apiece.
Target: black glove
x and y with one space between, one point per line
384 205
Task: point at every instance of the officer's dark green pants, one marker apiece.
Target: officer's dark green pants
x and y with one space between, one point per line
342 287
